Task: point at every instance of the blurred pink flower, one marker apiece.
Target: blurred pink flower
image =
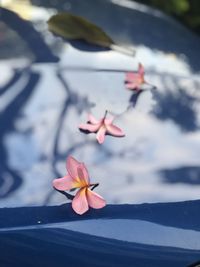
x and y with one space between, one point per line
101 127
78 177
134 80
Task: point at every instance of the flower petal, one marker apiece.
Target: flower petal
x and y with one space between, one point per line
101 134
75 169
131 76
64 183
109 120
80 203
95 201
141 69
82 172
93 128
92 119
115 131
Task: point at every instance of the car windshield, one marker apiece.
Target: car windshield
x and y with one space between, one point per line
49 85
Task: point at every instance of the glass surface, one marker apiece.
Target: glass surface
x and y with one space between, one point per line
47 88
44 100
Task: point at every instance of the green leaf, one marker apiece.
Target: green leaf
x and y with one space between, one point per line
74 27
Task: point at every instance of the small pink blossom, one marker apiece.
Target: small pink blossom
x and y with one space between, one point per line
134 80
101 127
78 178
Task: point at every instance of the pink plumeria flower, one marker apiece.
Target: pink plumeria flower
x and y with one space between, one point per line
78 178
134 80
101 127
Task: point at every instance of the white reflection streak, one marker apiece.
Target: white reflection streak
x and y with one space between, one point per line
134 231
13 91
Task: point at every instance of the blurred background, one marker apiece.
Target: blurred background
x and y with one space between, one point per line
48 85
185 11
